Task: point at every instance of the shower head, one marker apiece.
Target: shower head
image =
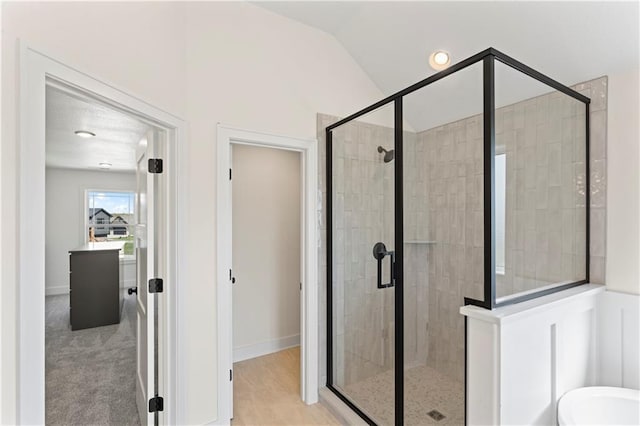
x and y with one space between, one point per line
388 155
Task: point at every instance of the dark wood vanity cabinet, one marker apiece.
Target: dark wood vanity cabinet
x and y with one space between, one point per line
95 297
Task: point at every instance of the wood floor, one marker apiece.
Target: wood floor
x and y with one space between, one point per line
267 392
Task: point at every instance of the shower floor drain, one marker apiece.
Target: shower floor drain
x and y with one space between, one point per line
436 415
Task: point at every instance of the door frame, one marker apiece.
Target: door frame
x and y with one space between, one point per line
36 71
308 148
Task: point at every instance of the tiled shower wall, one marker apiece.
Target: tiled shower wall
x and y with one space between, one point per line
363 206
444 223
543 139
448 169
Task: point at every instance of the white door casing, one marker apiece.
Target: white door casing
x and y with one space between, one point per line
36 71
309 294
232 278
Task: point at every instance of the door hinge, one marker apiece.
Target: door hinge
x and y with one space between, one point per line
230 375
155 165
229 174
156 404
155 285
231 277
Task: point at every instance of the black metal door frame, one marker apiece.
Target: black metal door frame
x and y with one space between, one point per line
399 267
488 57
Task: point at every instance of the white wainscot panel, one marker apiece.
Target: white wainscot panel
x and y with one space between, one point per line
522 358
618 340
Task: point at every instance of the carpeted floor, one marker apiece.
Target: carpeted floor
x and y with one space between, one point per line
90 374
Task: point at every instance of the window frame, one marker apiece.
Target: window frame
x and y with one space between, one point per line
501 269
86 224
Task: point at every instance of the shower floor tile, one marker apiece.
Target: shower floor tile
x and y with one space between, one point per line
426 390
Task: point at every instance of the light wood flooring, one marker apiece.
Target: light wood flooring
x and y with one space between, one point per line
267 392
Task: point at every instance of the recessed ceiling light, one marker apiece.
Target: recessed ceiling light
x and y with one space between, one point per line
84 133
105 166
439 60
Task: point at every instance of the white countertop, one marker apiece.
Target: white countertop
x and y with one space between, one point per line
107 245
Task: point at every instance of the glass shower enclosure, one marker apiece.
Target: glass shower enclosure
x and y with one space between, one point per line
469 187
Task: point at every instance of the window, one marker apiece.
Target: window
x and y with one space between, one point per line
110 217
501 196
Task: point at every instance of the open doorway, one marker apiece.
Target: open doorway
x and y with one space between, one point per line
274 214
266 240
96 245
162 242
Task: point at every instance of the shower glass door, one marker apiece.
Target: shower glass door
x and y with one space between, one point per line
443 240
361 261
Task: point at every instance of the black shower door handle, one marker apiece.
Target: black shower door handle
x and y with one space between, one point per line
379 253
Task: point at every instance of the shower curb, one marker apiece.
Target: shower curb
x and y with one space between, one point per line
343 413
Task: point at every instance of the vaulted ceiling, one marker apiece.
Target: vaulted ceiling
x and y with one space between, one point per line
568 41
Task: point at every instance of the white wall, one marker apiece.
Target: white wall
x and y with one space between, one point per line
252 69
266 250
623 183
65 204
234 63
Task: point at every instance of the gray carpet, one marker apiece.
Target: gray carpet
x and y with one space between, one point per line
90 374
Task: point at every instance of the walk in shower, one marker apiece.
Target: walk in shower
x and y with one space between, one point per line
469 187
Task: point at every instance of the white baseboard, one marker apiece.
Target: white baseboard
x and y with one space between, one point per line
56 290
264 348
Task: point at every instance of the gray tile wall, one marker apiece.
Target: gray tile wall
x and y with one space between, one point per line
363 215
544 142
542 138
448 174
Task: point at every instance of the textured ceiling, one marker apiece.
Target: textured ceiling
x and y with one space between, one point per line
568 41
117 134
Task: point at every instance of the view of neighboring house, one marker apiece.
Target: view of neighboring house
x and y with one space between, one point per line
103 222
121 219
101 219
